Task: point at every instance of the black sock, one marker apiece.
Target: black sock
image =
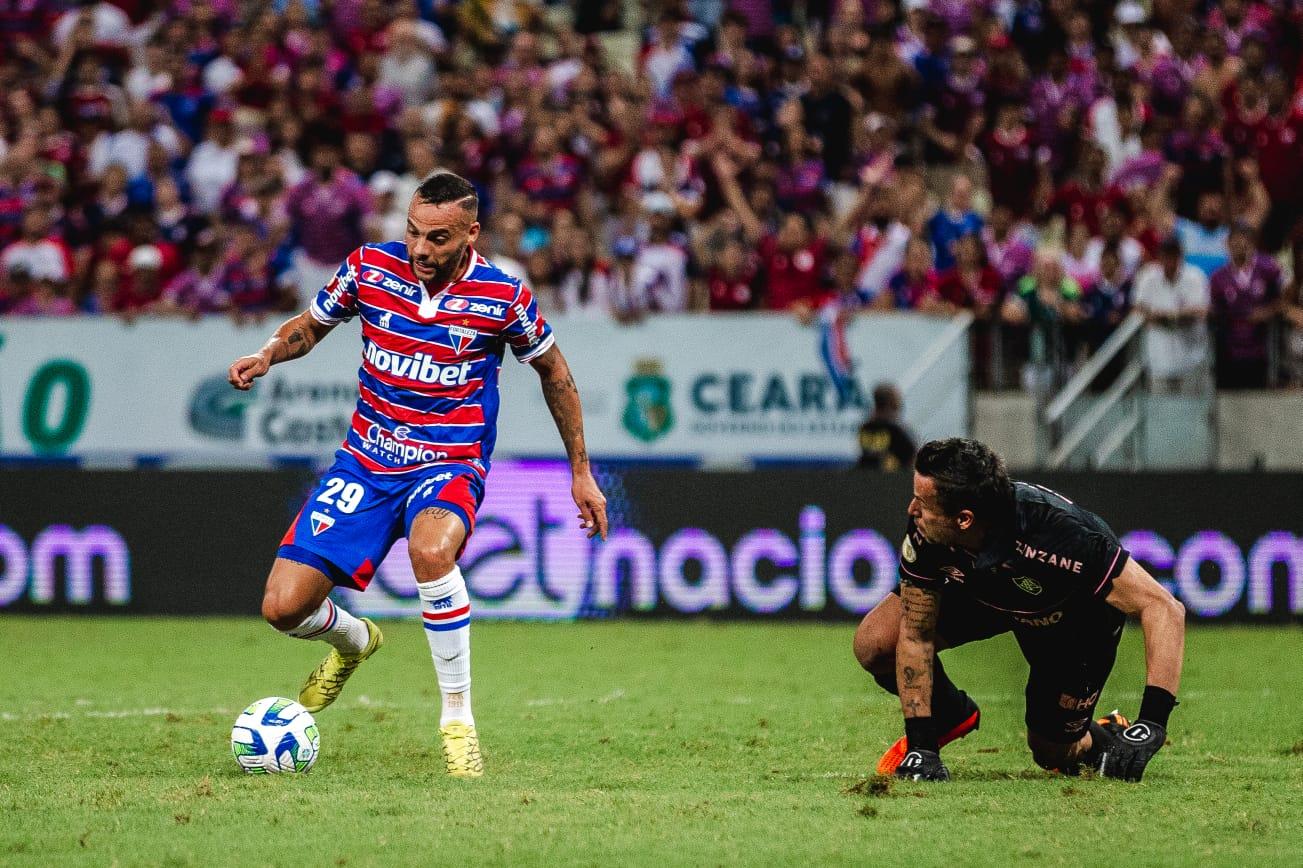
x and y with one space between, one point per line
949 703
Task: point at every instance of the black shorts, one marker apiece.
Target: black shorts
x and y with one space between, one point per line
1070 654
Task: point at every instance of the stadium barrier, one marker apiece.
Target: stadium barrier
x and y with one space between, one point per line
721 389
771 543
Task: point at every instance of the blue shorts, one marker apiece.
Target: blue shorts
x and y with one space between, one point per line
353 517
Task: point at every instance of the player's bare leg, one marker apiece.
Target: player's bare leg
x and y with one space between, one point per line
434 541
875 649
297 602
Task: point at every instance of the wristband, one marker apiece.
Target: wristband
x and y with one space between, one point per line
1156 705
921 734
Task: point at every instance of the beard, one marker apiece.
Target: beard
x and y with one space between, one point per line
444 269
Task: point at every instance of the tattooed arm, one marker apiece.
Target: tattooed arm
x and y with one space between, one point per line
562 398
293 339
914 648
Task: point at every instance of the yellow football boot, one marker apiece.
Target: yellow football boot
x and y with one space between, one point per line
327 680
461 749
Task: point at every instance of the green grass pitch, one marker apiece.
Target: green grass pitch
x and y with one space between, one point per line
615 744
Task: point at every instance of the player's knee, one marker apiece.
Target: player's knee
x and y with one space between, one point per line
282 612
432 562
872 653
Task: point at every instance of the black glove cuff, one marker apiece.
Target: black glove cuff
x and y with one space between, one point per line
1156 705
921 734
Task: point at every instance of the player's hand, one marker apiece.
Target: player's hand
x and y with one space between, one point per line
922 765
591 502
246 369
1132 749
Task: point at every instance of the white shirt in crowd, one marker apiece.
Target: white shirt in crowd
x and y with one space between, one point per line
47 259
509 266
1130 251
1174 351
211 170
110 26
660 278
588 293
130 149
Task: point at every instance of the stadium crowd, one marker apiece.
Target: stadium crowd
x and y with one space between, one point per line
1047 165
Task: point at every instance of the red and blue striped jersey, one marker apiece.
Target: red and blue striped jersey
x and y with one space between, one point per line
428 384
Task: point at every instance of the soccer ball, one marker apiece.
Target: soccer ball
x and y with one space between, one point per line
275 735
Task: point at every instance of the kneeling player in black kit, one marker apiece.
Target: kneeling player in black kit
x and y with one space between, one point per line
984 555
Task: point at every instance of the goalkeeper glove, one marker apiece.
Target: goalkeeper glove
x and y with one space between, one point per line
1132 749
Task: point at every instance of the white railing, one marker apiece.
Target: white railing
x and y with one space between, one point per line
1060 440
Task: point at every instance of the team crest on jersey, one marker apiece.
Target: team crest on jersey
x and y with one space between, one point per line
1028 585
461 337
648 415
384 319
321 523
907 551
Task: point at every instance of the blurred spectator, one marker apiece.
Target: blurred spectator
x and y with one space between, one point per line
142 286
200 288
660 269
129 146
1048 303
213 163
1110 301
1009 246
38 255
971 283
732 279
914 287
327 211
1173 296
1076 260
586 287
1012 162
1113 233
952 114
952 221
885 444
1246 296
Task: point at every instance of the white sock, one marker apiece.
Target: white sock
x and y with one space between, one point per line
330 623
446 611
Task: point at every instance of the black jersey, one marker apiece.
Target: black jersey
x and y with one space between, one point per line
885 446
1055 558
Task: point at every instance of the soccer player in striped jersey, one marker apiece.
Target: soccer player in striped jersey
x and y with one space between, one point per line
437 321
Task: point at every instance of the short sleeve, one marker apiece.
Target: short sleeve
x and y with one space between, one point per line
1085 539
336 302
528 334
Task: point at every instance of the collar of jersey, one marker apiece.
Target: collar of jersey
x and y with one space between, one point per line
429 304
998 548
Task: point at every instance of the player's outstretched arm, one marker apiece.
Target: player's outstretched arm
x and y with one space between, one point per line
1162 619
293 339
562 398
915 647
